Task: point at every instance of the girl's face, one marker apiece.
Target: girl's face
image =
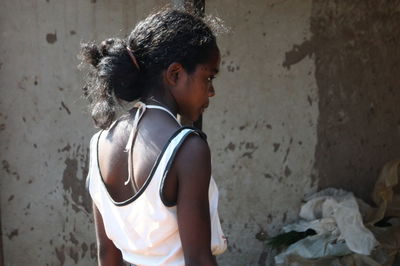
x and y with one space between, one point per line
194 90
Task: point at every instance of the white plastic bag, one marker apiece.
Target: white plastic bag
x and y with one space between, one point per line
343 208
335 216
314 247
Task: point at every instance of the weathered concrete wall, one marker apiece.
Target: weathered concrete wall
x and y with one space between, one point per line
357 60
44 127
262 123
307 98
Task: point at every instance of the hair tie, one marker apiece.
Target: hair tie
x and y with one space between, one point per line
132 57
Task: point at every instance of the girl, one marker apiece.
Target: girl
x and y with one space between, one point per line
154 200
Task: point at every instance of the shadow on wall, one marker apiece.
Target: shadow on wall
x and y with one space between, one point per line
356 46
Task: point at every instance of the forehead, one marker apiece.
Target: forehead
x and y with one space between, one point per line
212 65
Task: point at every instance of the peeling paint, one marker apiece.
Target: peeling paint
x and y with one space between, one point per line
298 53
248 155
288 172
74 186
84 248
65 107
276 146
243 127
60 254
93 250
267 176
287 151
13 234
6 167
51 37
230 147
66 148
73 239
249 146
74 255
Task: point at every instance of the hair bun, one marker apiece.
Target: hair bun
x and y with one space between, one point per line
105 46
90 54
111 47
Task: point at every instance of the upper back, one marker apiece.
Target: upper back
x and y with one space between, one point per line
153 132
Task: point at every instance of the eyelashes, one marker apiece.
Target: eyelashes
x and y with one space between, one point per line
210 79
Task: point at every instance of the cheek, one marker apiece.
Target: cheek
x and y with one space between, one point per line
201 94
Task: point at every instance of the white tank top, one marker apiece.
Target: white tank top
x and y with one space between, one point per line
144 228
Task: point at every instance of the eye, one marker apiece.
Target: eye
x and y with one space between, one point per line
210 79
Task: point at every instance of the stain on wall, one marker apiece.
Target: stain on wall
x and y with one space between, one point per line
356 45
260 125
45 128
357 68
308 94
73 185
51 37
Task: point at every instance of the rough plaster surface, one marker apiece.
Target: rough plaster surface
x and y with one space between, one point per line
262 123
307 96
44 128
356 45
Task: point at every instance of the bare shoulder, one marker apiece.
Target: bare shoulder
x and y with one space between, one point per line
194 158
196 147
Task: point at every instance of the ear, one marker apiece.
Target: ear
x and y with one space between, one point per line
173 73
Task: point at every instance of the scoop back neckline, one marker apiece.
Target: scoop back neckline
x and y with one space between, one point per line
150 175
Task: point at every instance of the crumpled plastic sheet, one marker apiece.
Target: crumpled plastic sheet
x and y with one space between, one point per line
342 237
314 247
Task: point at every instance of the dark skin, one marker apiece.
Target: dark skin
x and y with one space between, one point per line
187 181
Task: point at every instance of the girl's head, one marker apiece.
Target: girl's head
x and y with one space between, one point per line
175 51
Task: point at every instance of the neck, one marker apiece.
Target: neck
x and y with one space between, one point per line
167 102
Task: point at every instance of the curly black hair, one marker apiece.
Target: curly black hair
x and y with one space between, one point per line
162 38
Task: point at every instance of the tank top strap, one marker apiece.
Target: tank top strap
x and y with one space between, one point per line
163 109
173 146
141 109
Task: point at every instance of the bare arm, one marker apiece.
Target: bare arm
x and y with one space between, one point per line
107 253
193 166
